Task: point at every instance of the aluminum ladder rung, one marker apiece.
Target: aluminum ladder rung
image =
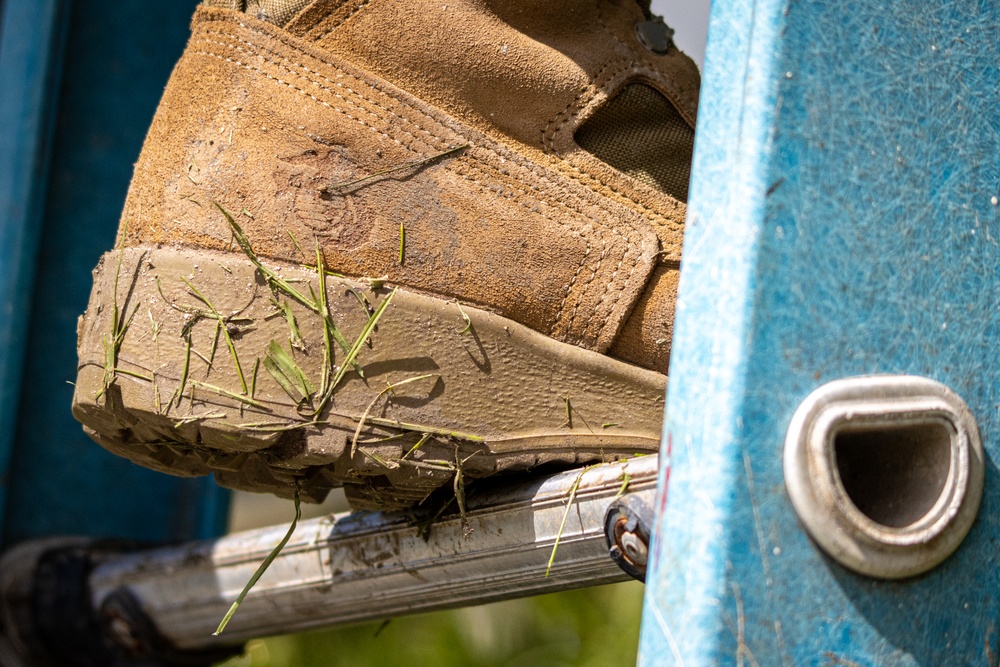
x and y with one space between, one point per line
348 568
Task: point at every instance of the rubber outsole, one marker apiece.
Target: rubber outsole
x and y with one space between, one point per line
194 362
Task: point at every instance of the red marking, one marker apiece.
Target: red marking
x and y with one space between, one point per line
658 519
666 472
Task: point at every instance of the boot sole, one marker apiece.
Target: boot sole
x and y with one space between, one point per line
179 372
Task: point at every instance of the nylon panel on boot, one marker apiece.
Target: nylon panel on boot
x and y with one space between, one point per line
278 12
640 133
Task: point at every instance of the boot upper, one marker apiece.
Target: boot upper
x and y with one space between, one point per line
441 145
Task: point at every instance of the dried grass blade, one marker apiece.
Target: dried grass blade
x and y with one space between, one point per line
190 419
388 389
423 428
562 526
569 415
279 427
242 398
339 188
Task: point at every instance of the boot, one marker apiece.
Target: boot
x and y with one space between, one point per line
396 246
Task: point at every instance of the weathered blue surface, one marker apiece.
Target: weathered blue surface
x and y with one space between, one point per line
31 39
842 222
118 57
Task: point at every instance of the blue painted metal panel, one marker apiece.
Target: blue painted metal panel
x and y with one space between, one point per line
843 221
119 55
31 37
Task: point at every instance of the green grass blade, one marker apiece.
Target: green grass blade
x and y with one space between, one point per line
294 335
269 275
225 332
271 367
185 371
465 318
352 353
420 443
288 374
296 242
139 376
626 480
262 569
253 378
324 313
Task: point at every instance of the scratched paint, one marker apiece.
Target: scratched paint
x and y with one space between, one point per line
842 222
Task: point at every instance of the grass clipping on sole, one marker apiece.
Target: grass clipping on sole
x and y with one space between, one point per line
262 568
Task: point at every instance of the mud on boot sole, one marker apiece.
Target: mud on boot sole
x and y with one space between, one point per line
194 362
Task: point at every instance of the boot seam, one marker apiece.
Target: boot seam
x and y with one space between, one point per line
666 86
328 90
305 31
569 288
524 193
607 292
591 182
610 85
590 91
607 28
653 216
595 224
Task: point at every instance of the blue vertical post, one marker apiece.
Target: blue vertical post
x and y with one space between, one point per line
843 221
31 42
118 55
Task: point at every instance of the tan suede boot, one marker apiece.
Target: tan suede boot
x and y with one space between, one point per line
396 245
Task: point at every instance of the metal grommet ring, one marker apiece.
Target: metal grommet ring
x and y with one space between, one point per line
885 472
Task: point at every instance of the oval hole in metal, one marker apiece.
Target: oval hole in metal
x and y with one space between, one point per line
885 471
894 474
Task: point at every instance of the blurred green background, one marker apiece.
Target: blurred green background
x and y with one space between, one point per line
590 627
